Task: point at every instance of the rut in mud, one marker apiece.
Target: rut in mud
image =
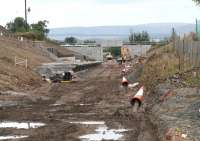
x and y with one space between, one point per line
94 108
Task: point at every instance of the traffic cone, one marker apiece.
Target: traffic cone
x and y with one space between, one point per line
139 97
124 82
124 70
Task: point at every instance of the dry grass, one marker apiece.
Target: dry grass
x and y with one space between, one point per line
162 63
12 77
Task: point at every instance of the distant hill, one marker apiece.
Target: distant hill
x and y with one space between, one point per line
156 30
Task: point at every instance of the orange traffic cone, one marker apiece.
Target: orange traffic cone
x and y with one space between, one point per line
124 82
139 97
124 70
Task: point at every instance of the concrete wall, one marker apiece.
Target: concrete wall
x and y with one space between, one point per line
95 53
110 43
50 69
139 50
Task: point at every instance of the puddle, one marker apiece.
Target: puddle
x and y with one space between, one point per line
12 137
22 125
56 104
8 103
85 104
13 93
85 114
103 133
89 122
71 105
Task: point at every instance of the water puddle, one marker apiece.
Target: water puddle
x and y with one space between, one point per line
85 114
8 103
12 137
21 125
85 104
13 93
103 133
56 104
89 122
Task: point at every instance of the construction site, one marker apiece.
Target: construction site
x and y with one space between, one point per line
52 93
99 70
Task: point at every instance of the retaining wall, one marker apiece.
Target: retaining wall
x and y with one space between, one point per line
50 69
95 53
139 50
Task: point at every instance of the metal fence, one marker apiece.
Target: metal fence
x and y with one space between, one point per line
188 52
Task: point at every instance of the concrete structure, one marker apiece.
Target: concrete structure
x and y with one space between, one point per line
50 69
80 45
137 50
110 43
95 53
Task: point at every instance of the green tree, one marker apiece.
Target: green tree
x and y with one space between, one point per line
174 35
145 36
37 31
139 37
70 40
197 1
131 37
18 25
40 29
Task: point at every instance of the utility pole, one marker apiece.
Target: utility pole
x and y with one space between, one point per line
26 16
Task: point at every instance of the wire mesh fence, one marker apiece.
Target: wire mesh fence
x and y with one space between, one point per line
188 52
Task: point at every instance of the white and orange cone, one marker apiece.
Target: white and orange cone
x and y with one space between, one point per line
124 82
139 97
124 70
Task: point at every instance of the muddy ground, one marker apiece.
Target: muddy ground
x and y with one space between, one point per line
97 96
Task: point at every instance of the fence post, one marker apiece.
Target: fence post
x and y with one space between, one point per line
26 63
196 55
20 61
15 61
192 55
179 54
183 54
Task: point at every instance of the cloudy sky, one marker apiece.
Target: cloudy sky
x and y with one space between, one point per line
67 13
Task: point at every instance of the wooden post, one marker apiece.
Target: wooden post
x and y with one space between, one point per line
15 60
26 63
21 61
183 54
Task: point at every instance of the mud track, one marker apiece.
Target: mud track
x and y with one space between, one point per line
97 97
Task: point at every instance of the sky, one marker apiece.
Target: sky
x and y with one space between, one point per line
72 13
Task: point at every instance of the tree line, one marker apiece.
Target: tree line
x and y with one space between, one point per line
197 1
139 37
73 40
35 31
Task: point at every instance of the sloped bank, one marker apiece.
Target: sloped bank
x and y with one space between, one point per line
172 100
178 110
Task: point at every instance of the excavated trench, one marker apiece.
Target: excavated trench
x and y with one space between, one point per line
92 109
